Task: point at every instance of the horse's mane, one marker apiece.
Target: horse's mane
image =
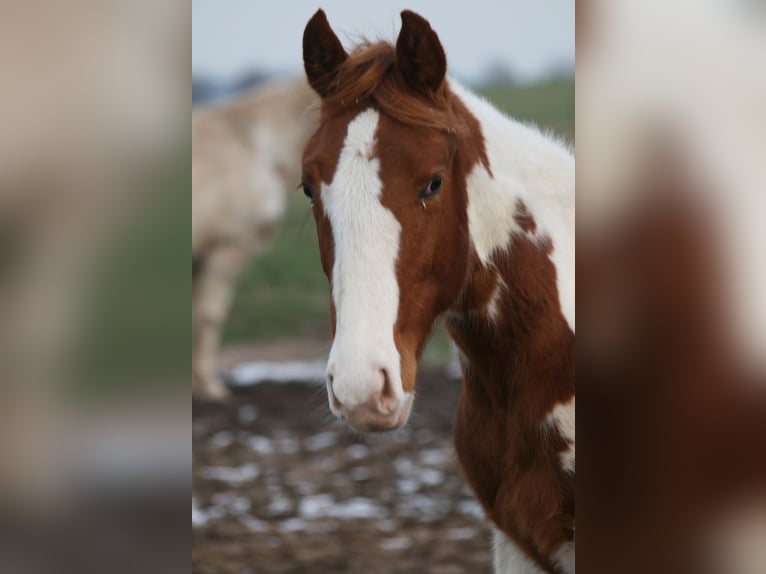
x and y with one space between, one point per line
370 76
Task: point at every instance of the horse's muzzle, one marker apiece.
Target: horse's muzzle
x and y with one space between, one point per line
381 407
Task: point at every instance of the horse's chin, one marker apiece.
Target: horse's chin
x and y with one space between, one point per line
393 423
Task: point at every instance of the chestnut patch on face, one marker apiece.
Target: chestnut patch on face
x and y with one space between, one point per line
434 244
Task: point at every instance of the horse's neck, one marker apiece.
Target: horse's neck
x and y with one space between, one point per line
515 319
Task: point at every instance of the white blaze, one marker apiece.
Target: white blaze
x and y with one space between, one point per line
365 290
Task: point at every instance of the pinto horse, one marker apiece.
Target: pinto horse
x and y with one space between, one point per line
428 202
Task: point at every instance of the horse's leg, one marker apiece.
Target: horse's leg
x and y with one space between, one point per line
510 559
212 291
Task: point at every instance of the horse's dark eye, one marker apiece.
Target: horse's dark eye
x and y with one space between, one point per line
308 192
432 188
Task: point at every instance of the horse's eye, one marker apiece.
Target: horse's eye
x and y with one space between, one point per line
308 192
433 187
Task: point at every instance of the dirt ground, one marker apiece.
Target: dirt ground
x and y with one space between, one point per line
279 486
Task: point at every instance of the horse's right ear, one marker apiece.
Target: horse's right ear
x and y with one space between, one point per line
322 54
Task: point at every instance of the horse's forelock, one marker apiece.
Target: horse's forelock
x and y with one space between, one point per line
370 76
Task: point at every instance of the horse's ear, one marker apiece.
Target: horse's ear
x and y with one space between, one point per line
419 54
322 54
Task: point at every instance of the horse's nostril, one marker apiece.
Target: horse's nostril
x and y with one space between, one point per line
333 399
387 392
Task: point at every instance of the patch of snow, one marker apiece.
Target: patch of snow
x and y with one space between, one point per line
466 533
470 508
202 517
424 508
436 456
247 413
324 506
260 444
199 516
252 373
359 508
292 525
431 476
231 503
280 505
398 543
405 466
358 451
221 439
321 441
407 485
238 474
316 506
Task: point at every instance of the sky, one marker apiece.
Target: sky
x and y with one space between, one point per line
530 38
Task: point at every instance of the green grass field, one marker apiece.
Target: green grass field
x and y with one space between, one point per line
285 293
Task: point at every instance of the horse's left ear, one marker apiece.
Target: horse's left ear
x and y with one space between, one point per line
419 54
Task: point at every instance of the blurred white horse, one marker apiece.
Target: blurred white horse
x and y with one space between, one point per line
246 153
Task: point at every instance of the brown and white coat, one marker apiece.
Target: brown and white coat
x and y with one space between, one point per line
430 203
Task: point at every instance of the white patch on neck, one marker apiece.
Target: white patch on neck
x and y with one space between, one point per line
365 289
564 557
492 310
509 558
530 167
562 418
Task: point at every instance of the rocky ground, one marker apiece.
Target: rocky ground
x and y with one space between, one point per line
278 486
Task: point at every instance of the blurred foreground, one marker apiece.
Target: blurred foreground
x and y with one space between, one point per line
94 293
671 287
